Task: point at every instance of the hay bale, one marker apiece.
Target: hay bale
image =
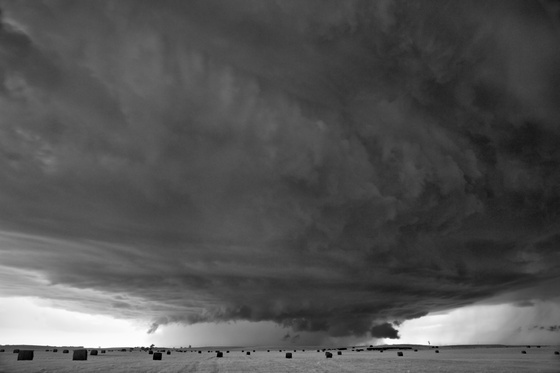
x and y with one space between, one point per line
80 354
150 352
2 350
157 356
248 352
437 351
556 353
25 355
219 354
339 353
288 355
523 352
65 351
94 352
55 350
103 351
415 350
400 353
168 352
199 352
328 355
16 351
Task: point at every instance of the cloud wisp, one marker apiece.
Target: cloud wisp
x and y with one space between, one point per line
328 166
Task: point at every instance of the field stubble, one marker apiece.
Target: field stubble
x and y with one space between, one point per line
462 360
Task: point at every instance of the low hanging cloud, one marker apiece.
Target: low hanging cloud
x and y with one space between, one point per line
328 166
385 330
550 328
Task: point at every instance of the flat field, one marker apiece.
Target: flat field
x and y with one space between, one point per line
450 359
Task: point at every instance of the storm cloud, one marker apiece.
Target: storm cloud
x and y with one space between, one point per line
329 166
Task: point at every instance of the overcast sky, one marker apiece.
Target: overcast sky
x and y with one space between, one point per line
315 171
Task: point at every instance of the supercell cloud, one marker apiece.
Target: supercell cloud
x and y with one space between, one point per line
329 166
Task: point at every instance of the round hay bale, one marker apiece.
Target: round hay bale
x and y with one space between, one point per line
227 352
157 356
168 352
415 350
400 353
267 350
339 353
523 352
556 353
94 352
328 355
103 351
80 354
288 355
2 350
25 355
248 352
219 354
199 352
65 351
150 352
16 351
55 350
437 351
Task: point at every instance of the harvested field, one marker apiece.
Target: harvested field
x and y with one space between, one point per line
463 360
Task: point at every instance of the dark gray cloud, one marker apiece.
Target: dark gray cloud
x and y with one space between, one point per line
385 330
329 166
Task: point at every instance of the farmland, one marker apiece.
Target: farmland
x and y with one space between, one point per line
449 359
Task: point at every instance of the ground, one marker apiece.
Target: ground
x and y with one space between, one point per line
449 359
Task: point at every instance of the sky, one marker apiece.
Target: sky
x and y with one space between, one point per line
266 172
